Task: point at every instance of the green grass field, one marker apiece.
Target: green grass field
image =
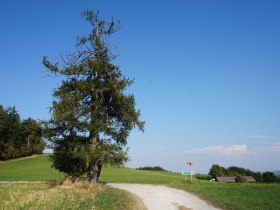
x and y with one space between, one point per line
34 194
223 195
227 196
32 169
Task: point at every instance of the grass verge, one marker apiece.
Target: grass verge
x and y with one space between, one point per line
44 196
50 195
114 199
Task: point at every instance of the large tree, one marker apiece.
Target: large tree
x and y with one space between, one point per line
92 115
32 135
12 141
216 170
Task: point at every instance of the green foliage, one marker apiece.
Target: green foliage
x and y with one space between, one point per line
234 171
18 138
150 168
270 177
240 172
32 133
70 156
216 170
239 178
90 107
203 176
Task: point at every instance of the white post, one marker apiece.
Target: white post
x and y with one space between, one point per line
191 172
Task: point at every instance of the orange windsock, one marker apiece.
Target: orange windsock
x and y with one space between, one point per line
190 162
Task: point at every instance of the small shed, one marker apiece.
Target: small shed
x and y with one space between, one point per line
227 179
249 179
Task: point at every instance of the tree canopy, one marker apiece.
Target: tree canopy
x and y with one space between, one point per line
239 172
216 170
92 115
19 138
151 168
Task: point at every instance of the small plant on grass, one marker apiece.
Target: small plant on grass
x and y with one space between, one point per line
151 168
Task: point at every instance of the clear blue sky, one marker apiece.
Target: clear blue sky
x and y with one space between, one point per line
207 74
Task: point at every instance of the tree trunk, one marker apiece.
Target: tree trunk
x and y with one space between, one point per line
94 172
94 166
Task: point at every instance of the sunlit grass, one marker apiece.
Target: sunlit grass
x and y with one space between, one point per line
235 196
44 196
117 199
32 169
128 175
80 195
227 196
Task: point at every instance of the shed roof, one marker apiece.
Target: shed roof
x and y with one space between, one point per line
228 179
249 179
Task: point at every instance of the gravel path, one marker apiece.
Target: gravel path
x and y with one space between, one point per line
164 198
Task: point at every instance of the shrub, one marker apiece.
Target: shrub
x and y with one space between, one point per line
203 176
239 178
150 168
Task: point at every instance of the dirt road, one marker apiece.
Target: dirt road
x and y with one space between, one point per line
164 198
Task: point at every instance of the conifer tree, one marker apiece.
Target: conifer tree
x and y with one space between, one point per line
32 136
92 115
4 145
13 133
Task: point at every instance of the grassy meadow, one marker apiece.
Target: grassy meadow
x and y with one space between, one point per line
226 196
30 169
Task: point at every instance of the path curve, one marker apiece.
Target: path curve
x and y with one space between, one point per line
157 197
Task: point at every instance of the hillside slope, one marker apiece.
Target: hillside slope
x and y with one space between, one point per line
28 169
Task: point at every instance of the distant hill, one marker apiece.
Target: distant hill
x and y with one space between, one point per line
277 173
